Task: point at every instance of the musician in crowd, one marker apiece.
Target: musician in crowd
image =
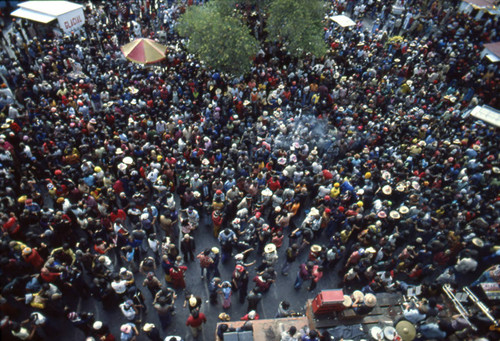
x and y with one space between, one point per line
414 312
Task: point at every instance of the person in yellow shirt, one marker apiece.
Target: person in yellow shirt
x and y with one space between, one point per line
335 191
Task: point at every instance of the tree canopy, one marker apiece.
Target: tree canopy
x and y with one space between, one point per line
221 41
218 35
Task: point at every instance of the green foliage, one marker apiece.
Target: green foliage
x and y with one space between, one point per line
223 42
217 35
298 24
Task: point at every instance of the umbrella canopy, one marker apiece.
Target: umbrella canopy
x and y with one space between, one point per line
144 51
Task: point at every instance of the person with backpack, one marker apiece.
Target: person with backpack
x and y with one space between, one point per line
227 239
205 262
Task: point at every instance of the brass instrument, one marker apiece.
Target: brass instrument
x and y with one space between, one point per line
481 306
458 305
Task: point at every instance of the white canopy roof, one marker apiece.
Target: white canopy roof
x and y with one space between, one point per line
44 11
343 20
487 114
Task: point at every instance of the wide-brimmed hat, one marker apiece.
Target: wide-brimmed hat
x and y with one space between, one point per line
358 296
148 327
400 187
406 330
270 248
382 215
128 160
347 301
371 249
370 300
315 248
477 242
224 317
404 210
387 190
394 215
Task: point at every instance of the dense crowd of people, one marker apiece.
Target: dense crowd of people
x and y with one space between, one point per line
366 160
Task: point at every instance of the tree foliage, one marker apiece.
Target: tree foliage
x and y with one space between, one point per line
222 42
218 36
298 24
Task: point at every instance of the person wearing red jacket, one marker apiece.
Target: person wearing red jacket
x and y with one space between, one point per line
32 257
195 322
48 276
11 226
118 214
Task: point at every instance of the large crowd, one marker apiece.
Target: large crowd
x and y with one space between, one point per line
367 160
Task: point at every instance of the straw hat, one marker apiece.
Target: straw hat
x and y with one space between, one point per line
269 248
358 295
477 242
128 160
371 249
118 151
406 330
387 190
404 210
224 317
400 187
382 215
148 327
394 215
347 301
370 300
315 248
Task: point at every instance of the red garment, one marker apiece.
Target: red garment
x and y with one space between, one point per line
35 259
217 219
177 277
261 284
327 174
11 226
120 214
246 318
196 322
273 185
278 241
50 276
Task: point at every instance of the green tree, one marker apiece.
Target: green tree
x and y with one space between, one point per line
218 36
298 24
221 41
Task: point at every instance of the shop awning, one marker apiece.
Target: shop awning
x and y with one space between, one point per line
69 15
487 114
343 20
32 15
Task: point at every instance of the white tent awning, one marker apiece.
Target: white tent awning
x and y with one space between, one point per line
487 114
69 15
343 20
53 8
32 15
